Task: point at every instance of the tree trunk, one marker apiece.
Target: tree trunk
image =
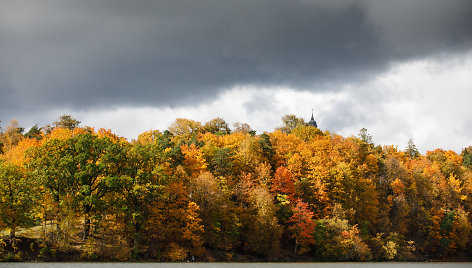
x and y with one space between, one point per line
87 223
86 228
55 237
58 230
136 239
296 246
43 225
13 238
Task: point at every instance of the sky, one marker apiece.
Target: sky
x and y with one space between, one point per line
401 69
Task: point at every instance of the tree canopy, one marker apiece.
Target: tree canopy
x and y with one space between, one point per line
203 192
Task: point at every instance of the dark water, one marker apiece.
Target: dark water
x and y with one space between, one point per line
238 265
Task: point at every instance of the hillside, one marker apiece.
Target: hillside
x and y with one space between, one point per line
203 192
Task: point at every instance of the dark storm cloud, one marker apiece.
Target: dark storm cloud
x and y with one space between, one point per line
82 54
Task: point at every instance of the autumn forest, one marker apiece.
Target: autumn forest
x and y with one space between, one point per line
208 192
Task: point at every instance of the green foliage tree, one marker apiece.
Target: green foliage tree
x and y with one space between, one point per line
17 196
137 181
52 164
267 148
66 121
93 158
290 122
216 126
34 132
216 211
411 150
222 162
364 136
467 157
78 168
338 240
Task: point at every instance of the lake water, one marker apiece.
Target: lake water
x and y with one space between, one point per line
239 265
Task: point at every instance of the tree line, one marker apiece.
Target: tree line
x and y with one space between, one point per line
205 192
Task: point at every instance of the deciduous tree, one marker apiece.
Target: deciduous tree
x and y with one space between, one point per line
303 227
17 196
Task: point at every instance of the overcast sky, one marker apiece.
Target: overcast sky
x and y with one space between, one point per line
402 69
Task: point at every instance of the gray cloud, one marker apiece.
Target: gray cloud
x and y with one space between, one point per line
84 54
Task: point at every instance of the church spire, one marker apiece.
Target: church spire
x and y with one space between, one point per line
312 120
